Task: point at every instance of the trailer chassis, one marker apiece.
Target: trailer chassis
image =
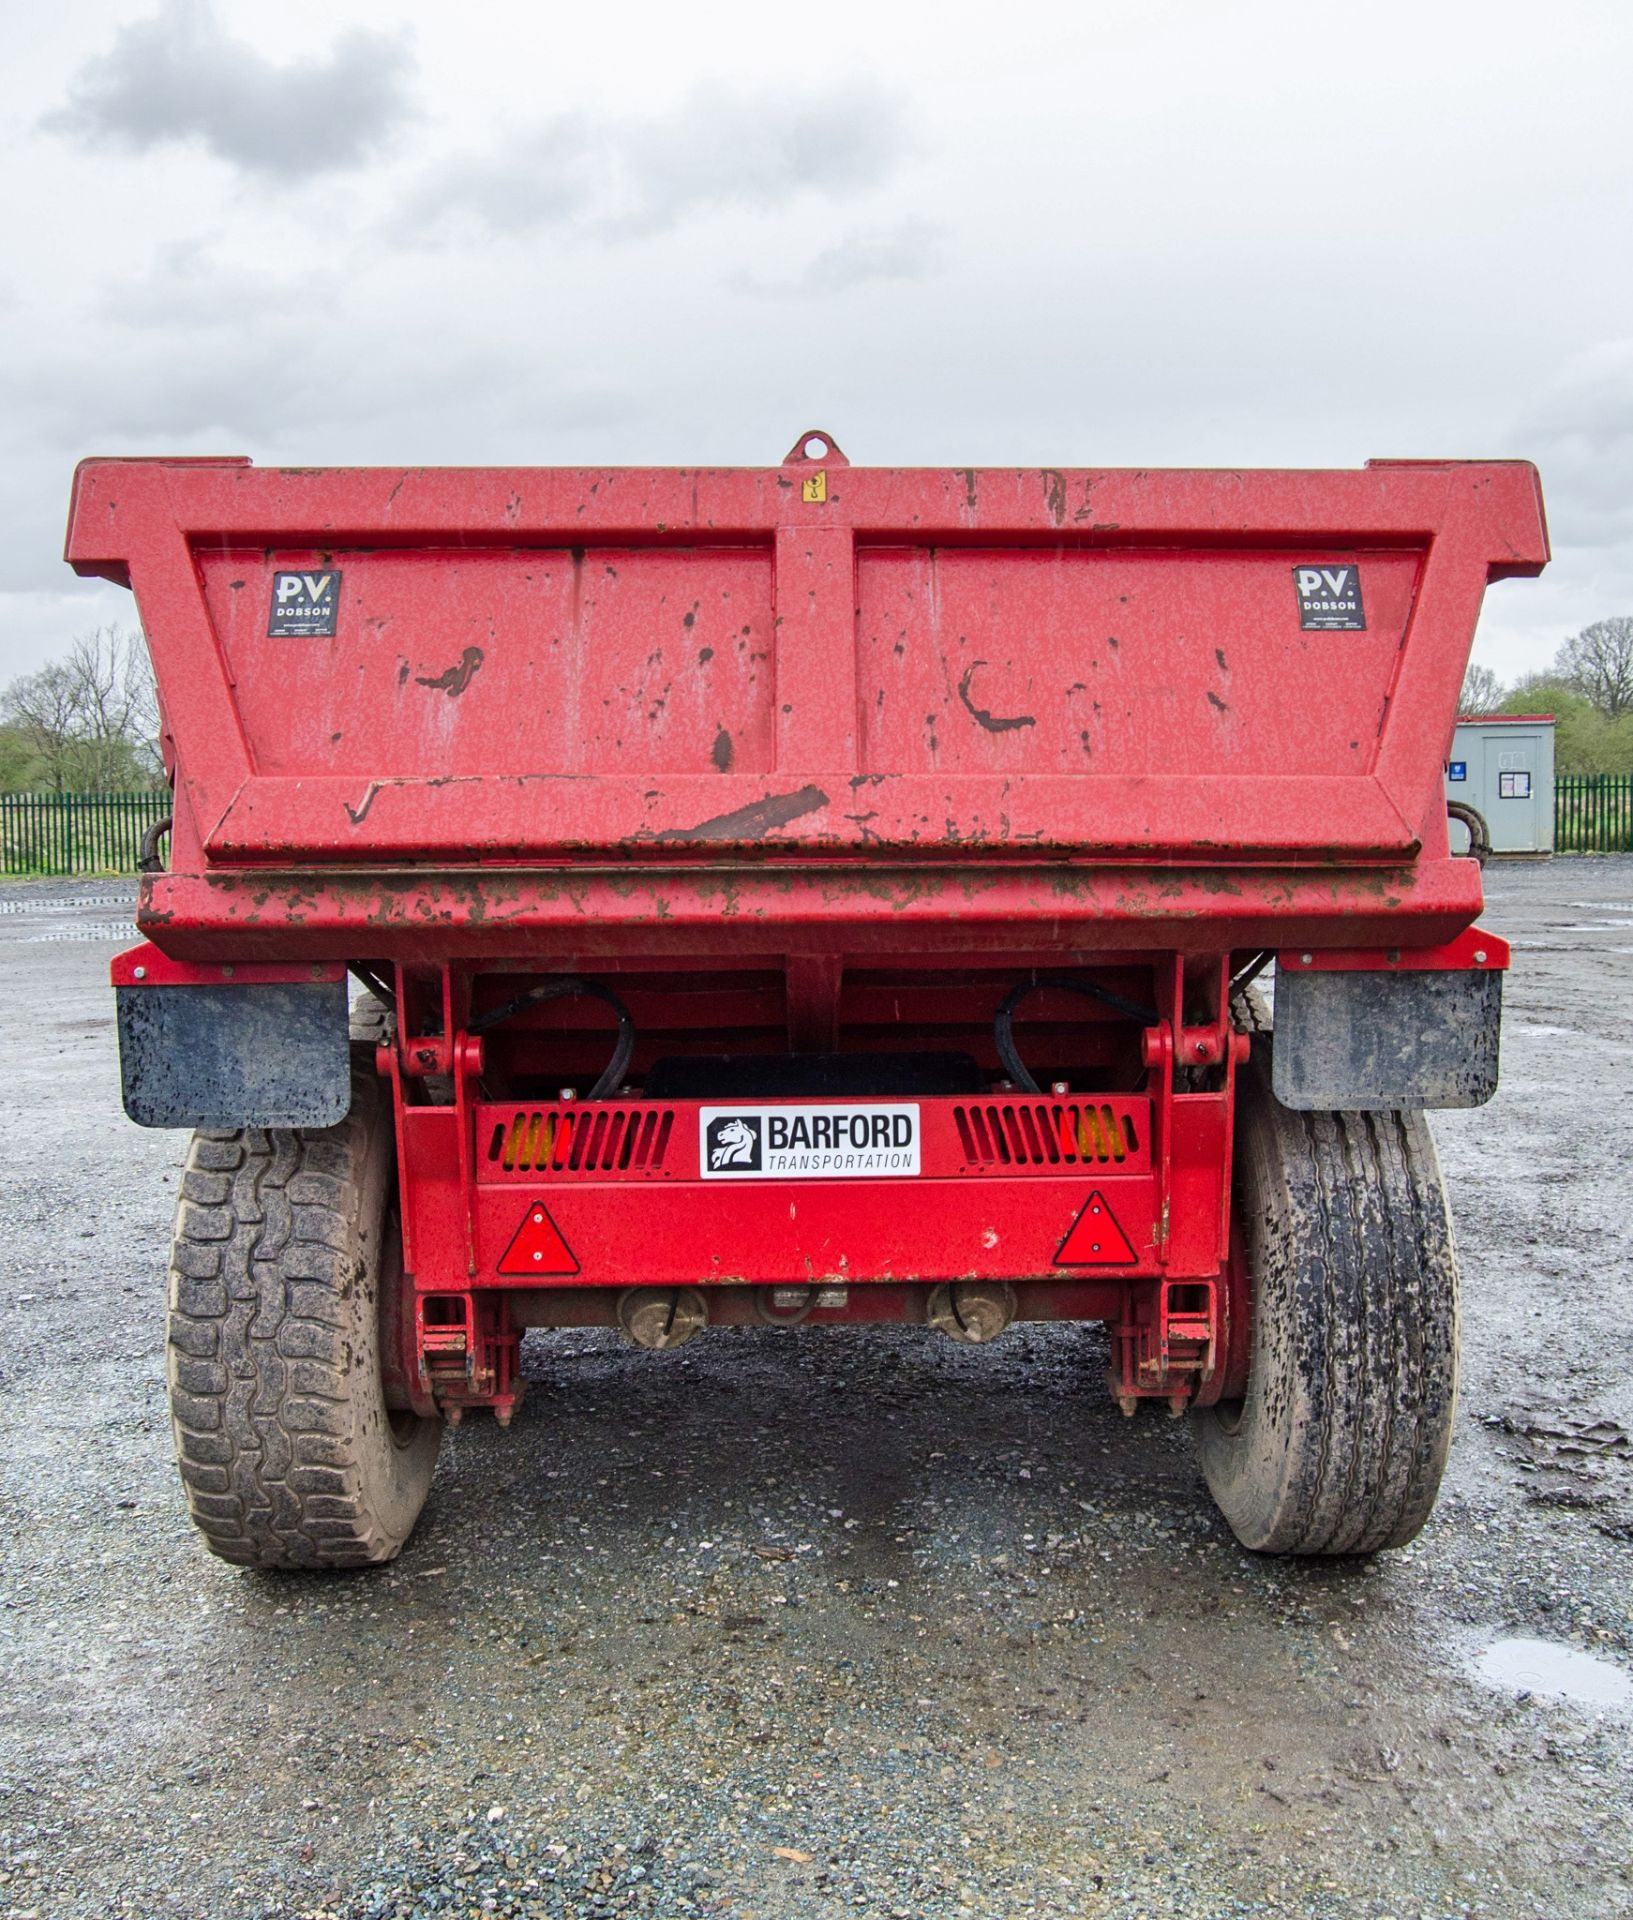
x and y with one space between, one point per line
565 1211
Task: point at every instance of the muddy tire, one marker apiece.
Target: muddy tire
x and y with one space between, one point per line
289 1455
1338 1445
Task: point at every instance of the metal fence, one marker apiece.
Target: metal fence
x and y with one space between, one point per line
72 833
1593 813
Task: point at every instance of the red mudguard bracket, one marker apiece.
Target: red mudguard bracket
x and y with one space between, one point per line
1474 950
145 966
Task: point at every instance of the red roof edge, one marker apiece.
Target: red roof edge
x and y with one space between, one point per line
1505 719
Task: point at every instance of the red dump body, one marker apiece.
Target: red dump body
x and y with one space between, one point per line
830 708
810 762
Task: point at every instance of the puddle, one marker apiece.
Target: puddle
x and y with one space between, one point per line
77 904
85 930
1544 1667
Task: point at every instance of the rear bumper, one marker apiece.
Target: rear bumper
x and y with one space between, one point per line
1011 1187
430 915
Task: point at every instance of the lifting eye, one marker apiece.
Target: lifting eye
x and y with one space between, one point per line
816 443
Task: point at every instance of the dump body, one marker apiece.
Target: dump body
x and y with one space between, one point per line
919 831
900 711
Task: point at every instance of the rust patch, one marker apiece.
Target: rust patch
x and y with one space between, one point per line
752 822
455 679
991 722
1215 701
721 752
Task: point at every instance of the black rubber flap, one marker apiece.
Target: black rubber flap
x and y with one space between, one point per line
235 1056
1372 1041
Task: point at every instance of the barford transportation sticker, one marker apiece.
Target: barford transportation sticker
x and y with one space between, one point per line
304 605
1329 599
803 1143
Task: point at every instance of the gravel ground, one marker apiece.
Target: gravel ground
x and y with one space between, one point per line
823 1622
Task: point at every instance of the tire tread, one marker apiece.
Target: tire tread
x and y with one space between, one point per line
1340 1444
263 1375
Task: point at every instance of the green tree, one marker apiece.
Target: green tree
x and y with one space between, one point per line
1585 739
87 723
20 770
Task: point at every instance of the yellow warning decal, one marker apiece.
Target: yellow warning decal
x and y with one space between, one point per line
814 487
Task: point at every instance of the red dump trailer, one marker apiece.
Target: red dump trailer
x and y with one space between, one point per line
669 897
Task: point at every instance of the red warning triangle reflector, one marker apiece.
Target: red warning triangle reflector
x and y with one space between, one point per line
538 1246
1095 1239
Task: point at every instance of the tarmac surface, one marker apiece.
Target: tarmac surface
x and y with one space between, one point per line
826 1622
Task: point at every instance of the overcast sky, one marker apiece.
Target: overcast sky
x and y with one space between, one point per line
1211 232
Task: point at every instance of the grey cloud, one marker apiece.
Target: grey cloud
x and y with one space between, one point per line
907 251
179 77
541 179
1580 433
279 387
195 285
720 146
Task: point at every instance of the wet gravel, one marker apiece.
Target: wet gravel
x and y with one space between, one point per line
820 1622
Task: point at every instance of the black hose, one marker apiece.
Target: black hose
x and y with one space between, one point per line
1479 833
561 989
1003 1024
147 857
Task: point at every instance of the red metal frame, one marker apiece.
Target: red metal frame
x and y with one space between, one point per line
809 758
149 966
1117 1202
1474 950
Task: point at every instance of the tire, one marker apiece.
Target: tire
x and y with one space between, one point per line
289 1455
1339 1443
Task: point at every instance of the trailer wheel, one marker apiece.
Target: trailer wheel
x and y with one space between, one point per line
1340 1440
289 1454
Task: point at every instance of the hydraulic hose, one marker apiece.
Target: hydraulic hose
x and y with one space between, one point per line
565 988
1003 1025
147 858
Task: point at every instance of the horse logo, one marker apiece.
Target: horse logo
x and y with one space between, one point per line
734 1143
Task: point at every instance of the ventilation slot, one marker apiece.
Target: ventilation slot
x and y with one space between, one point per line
1021 1134
598 1139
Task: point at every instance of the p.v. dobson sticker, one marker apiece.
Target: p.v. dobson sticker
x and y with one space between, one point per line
1329 598
304 605
805 1143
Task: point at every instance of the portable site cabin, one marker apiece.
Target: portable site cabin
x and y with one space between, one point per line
1502 765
